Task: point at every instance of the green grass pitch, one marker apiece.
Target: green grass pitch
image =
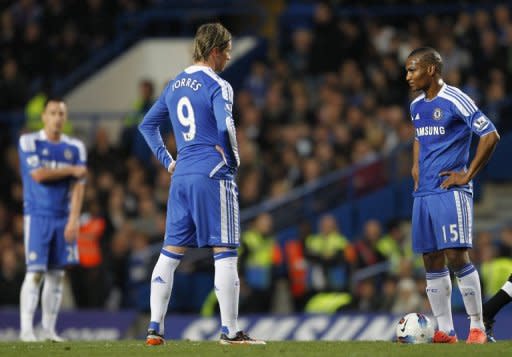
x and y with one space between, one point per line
278 349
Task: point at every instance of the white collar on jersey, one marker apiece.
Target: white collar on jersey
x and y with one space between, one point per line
43 136
197 67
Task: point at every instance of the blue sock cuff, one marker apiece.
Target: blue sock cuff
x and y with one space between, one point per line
154 326
436 274
171 255
225 254
467 269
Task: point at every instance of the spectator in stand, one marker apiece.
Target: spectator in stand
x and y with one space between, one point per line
260 257
13 87
299 55
366 250
326 39
257 83
88 279
11 276
103 155
326 254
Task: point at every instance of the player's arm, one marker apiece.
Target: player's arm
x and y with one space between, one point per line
77 197
484 150
150 129
222 108
415 171
489 137
486 146
45 174
31 163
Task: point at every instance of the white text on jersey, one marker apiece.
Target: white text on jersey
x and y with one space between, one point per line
186 82
430 130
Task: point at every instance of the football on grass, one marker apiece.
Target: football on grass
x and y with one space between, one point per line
414 328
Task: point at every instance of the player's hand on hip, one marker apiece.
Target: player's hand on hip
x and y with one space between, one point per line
79 171
171 167
219 150
454 179
71 231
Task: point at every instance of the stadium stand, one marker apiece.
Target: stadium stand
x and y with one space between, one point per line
322 122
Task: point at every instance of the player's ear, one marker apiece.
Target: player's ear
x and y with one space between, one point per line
431 69
215 51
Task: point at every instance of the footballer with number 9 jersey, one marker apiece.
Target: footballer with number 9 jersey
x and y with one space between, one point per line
202 209
53 170
444 119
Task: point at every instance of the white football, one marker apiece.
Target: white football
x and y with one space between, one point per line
414 328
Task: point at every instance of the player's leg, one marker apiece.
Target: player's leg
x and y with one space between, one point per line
454 234
180 232
227 288
216 213
494 305
60 255
29 299
51 299
469 285
439 285
36 256
162 280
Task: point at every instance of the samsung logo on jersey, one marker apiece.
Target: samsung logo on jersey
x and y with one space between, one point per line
186 82
52 164
430 130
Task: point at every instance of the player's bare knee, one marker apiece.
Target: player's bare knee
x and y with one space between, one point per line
36 277
457 258
175 249
434 261
56 275
224 249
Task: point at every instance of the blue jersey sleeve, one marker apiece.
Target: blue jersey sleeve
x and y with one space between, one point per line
467 110
222 108
81 159
150 129
29 159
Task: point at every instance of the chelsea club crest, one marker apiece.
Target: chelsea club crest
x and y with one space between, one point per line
438 114
68 155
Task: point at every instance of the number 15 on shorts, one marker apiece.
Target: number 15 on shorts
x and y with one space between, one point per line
450 232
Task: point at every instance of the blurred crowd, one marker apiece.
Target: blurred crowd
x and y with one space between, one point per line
328 95
44 40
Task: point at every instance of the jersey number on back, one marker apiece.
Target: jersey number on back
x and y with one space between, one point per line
186 117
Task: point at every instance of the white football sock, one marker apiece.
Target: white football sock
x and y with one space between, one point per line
227 289
51 299
439 292
29 298
161 288
469 285
507 287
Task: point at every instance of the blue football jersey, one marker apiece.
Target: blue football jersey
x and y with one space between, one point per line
35 150
199 105
443 127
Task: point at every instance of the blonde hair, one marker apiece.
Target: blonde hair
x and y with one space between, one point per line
209 36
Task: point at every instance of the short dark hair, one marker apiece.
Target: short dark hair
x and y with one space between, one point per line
209 36
429 56
52 98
